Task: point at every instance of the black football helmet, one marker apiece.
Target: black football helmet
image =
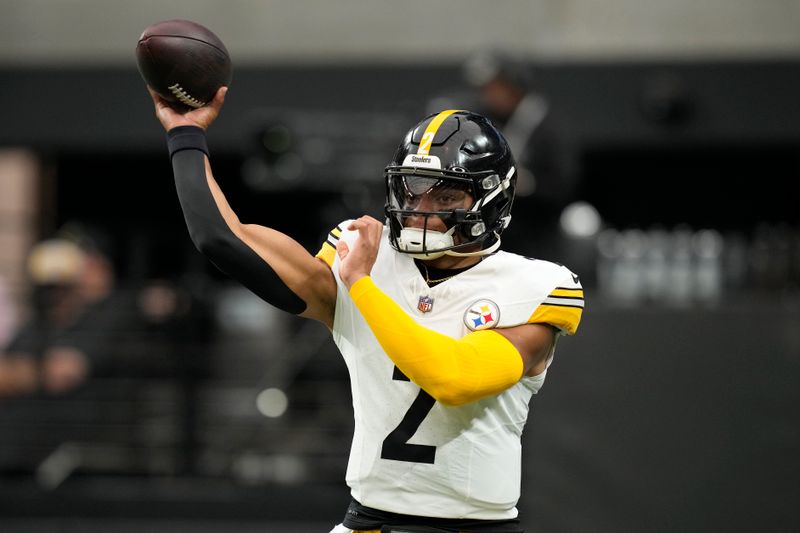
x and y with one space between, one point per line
440 159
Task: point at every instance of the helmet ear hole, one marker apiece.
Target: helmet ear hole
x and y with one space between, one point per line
490 182
477 229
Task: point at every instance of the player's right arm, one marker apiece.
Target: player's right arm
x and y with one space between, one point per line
271 264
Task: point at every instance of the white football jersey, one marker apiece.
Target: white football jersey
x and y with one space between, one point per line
411 454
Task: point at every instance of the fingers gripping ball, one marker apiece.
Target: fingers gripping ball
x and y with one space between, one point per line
183 62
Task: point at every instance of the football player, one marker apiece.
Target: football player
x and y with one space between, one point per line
445 336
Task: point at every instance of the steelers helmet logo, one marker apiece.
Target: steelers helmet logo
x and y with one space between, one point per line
483 314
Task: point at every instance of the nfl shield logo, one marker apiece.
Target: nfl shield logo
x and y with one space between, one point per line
425 304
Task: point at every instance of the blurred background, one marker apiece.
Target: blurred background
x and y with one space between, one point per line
659 146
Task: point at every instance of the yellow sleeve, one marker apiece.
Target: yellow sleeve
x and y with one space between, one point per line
453 371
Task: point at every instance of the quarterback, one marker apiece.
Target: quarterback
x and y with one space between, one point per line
445 336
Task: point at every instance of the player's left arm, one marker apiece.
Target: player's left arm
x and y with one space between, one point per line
559 313
534 342
453 371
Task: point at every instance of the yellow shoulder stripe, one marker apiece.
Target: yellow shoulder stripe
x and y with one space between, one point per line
327 253
567 293
328 250
563 317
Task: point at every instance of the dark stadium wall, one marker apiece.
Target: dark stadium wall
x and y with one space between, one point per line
719 139
604 103
665 420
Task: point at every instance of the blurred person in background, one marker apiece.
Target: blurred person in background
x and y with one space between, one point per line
446 338
72 318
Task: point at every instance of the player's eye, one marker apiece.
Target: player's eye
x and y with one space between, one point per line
449 198
410 201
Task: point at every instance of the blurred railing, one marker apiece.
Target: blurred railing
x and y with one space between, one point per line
685 267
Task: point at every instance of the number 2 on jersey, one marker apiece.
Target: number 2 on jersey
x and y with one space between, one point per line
395 445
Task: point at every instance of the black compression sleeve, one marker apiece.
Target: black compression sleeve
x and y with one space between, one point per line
208 229
186 138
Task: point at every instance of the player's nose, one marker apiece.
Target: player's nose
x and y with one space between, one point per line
415 221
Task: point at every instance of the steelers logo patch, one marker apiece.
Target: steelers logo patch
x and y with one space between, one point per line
483 314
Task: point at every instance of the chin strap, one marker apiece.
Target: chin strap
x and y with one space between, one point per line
485 251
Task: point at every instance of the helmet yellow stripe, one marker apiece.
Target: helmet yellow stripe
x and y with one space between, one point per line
430 131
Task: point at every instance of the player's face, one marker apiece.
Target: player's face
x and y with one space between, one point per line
444 196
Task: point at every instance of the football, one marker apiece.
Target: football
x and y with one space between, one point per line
183 61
